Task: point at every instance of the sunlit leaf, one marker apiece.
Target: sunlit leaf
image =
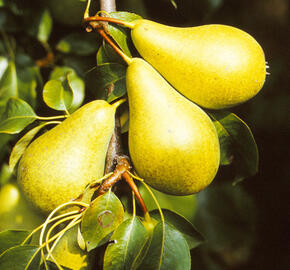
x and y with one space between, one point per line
126 244
237 143
78 43
103 216
45 26
168 250
19 258
55 96
18 114
189 232
72 84
8 84
173 4
11 238
20 147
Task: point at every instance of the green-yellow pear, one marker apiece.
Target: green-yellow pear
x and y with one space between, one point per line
215 66
15 212
68 253
57 166
173 144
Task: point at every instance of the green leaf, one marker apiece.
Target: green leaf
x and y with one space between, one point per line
237 144
227 217
173 4
18 114
78 43
55 96
120 34
20 147
27 83
106 55
72 85
127 242
45 26
183 205
20 258
112 73
8 84
5 174
11 238
103 216
189 232
168 250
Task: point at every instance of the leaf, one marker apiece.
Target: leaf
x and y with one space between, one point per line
189 232
44 26
173 4
120 34
27 83
227 217
112 73
78 43
20 258
5 174
20 147
55 96
18 114
168 250
11 238
8 84
237 143
72 84
103 216
106 55
126 244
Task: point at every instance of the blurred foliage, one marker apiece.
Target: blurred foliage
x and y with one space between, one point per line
246 226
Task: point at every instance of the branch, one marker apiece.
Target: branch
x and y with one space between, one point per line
108 5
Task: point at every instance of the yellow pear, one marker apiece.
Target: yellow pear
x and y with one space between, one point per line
215 66
57 166
67 252
173 144
15 212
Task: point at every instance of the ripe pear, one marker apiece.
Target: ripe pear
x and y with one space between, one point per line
15 212
215 66
173 144
57 166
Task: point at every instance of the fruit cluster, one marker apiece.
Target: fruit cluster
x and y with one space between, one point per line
173 143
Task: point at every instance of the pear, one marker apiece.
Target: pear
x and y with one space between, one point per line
57 166
173 144
15 211
215 66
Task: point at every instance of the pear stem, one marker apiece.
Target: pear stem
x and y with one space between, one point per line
135 189
52 117
109 19
119 102
125 57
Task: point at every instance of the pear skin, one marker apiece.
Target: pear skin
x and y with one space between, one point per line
173 144
215 66
57 166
